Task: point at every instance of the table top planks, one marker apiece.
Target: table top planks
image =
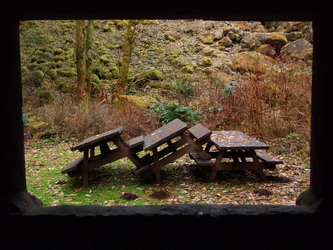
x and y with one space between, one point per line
164 134
233 140
96 139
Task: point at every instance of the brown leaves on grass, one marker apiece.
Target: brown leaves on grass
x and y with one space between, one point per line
160 195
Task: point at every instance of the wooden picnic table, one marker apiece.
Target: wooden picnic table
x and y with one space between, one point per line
90 160
178 141
242 151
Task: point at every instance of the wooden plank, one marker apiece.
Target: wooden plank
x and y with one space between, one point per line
74 165
200 132
137 141
97 139
164 134
235 140
264 156
201 162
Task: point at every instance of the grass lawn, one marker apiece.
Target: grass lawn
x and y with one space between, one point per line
116 183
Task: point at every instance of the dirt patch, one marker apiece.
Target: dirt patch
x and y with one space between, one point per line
160 195
129 196
262 192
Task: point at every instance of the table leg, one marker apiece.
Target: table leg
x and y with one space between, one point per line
85 169
259 165
157 167
216 166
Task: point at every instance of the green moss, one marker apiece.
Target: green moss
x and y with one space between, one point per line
173 54
58 51
52 74
24 69
58 58
40 61
45 95
187 69
95 79
63 86
65 73
104 59
98 71
206 62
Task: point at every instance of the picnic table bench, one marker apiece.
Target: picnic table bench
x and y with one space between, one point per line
90 160
242 151
178 141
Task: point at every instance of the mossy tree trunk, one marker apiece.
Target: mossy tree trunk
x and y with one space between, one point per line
128 44
84 31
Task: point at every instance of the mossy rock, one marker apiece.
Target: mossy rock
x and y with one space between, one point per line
37 77
95 79
59 58
139 101
251 62
206 39
187 69
58 51
206 62
151 74
52 74
24 69
180 62
66 73
98 71
173 54
104 59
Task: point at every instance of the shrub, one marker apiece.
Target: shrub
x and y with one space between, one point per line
167 113
184 89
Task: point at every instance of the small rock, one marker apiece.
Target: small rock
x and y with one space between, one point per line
206 39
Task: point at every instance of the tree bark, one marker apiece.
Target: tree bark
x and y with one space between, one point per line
129 39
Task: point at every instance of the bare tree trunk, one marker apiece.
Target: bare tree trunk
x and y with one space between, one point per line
84 32
129 39
81 69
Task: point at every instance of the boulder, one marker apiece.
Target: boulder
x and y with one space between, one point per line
250 62
249 41
266 49
293 36
206 39
225 42
275 39
299 49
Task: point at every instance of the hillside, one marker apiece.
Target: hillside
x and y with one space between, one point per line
220 68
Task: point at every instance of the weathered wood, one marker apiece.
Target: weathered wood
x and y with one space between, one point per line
264 156
164 134
96 139
200 132
124 147
258 164
235 140
85 171
74 165
201 161
166 160
137 141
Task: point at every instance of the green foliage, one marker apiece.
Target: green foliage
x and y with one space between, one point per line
184 89
228 88
45 95
167 113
